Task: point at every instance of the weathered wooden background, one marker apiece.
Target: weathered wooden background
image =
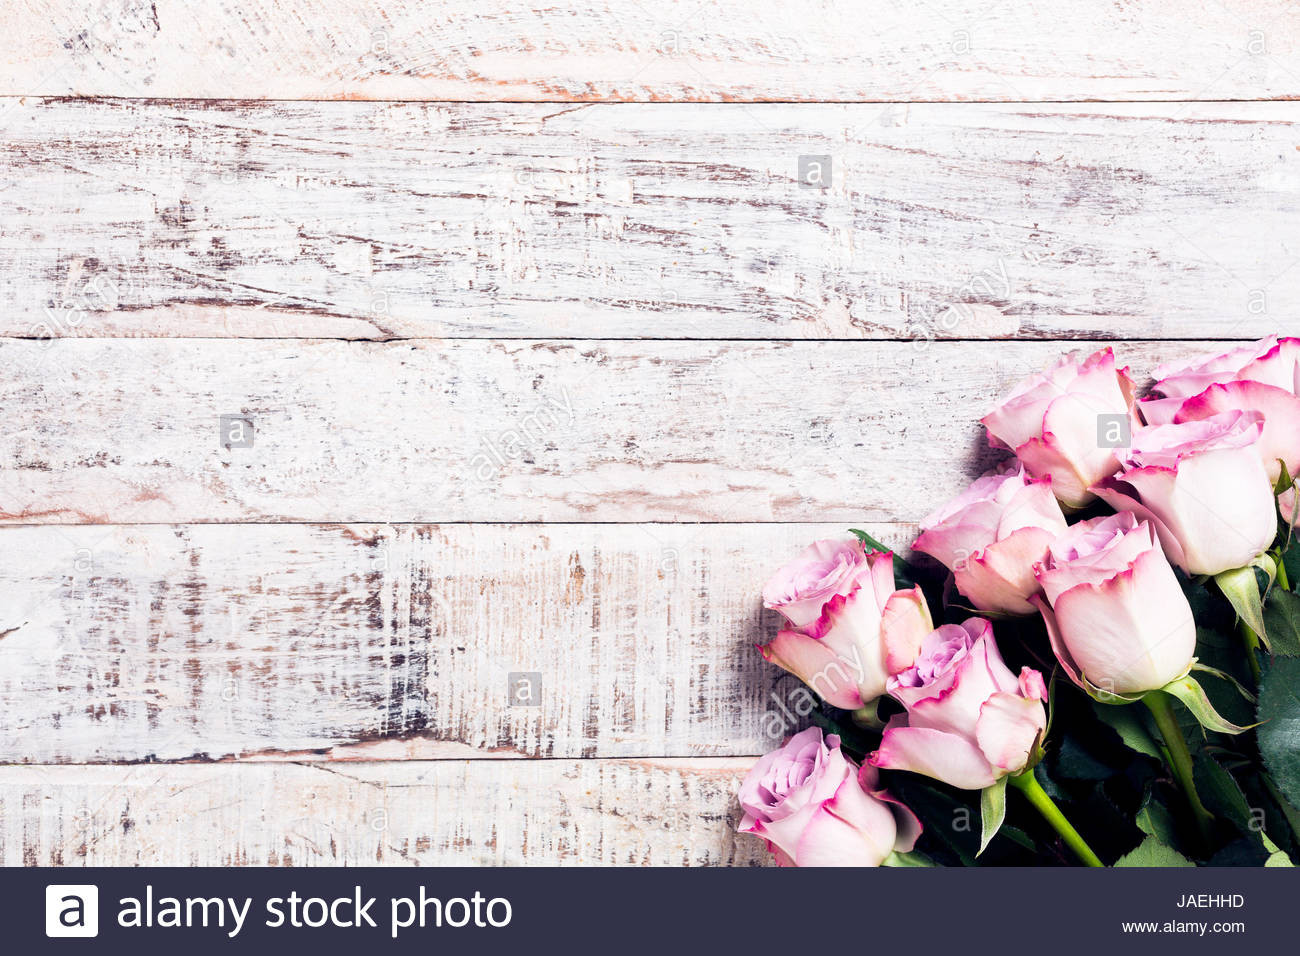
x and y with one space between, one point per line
550 359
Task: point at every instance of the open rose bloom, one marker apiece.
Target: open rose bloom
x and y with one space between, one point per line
852 629
969 720
1110 522
1203 487
1050 421
1263 377
991 536
814 807
1273 364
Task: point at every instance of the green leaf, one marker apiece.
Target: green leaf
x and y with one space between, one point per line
1279 731
1194 699
993 810
1221 794
1282 618
1151 852
1154 819
1242 591
868 540
1276 856
1073 762
946 818
1128 723
1283 805
1018 836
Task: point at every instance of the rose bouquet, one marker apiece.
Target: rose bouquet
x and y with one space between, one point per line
1105 624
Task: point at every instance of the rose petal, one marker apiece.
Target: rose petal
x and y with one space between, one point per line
947 757
1007 728
814 663
904 625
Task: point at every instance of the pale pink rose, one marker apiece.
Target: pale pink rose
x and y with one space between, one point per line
824 569
1051 421
991 536
1203 487
814 807
1117 619
969 720
864 630
1262 377
1271 360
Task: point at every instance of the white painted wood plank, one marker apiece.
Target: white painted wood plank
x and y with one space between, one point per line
349 643
365 220
465 813
128 430
675 50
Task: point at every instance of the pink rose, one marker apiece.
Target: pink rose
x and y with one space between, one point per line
1117 619
1262 377
1203 487
1271 360
824 570
969 720
861 630
815 808
1051 421
991 536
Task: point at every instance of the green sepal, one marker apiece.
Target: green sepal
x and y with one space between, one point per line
1107 696
1240 588
1224 675
1284 480
1193 697
912 859
993 810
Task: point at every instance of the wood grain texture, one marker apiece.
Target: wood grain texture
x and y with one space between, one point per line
673 50
350 643
118 431
466 813
383 221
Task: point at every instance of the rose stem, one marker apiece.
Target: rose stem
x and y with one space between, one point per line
1281 574
1180 760
1028 784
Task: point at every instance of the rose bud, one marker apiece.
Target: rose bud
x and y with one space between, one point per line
1203 487
1260 377
1051 421
862 629
969 720
1118 621
815 808
991 536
